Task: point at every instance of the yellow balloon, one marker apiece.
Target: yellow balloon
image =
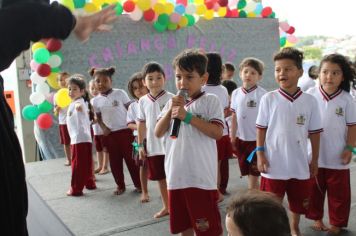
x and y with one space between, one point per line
159 8
201 9
198 1
91 8
183 21
144 5
37 45
98 3
251 15
169 8
62 98
222 11
209 14
112 1
52 81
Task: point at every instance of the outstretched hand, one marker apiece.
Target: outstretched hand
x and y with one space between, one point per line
99 21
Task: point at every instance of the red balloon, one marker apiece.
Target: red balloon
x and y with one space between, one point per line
43 70
44 121
149 15
129 6
209 4
54 45
234 13
223 3
266 11
291 30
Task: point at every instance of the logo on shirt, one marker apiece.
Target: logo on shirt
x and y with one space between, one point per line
251 103
202 224
300 120
339 111
115 103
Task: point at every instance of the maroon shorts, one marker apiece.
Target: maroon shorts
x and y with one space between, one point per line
156 167
194 208
298 192
243 150
98 140
224 148
64 135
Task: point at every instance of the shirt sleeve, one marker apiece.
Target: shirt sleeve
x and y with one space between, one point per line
315 123
350 112
125 98
165 109
130 118
215 111
96 108
263 113
141 113
233 101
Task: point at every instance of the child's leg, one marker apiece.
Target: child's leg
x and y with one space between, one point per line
253 182
294 224
143 177
224 168
99 156
67 153
221 197
164 194
188 232
105 162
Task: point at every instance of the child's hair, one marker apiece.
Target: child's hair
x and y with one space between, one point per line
229 85
255 63
63 74
151 67
229 66
102 71
259 213
191 60
214 68
292 54
135 77
348 71
79 80
313 72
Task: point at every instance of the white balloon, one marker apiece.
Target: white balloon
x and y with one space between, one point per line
251 6
136 15
37 79
37 98
190 9
55 61
43 88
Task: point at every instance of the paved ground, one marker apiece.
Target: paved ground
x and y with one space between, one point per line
99 212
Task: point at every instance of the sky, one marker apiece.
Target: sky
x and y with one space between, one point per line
317 17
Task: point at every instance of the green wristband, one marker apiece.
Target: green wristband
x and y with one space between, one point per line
188 118
350 148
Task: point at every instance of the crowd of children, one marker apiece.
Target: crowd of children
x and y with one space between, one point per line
300 143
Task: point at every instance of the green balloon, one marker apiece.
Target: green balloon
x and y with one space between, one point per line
41 55
157 26
79 3
241 4
242 14
30 112
282 41
172 26
56 69
191 20
163 19
273 15
45 107
119 9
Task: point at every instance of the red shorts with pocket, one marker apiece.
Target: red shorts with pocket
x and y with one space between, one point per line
243 150
194 208
99 145
298 192
156 167
224 148
64 135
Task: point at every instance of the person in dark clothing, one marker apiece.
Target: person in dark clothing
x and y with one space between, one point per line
23 21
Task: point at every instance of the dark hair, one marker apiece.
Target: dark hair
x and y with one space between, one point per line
63 73
313 72
229 66
259 213
292 54
135 77
214 68
348 71
102 71
230 85
79 80
191 60
152 67
255 63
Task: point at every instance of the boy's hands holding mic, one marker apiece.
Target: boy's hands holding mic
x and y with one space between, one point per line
178 110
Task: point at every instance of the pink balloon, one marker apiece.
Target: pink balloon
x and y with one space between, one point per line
34 65
175 17
284 26
292 39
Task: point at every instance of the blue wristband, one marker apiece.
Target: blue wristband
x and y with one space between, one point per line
250 157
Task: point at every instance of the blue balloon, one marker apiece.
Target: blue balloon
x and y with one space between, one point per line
180 9
258 8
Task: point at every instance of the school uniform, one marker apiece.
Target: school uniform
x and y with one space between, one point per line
149 109
289 119
132 114
118 143
338 112
79 132
191 170
245 104
98 134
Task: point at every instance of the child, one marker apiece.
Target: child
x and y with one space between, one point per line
338 113
62 117
285 118
137 90
101 154
213 86
244 106
228 71
78 122
191 164
110 107
150 107
256 213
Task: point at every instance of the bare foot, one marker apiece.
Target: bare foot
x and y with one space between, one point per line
97 170
67 163
72 194
319 226
296 233
103 172
144 197
161 213
334 230
119 191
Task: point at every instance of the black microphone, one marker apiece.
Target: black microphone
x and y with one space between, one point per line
176 121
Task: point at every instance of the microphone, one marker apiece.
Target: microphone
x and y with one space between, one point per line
176 121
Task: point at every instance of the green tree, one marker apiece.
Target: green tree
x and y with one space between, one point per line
312 53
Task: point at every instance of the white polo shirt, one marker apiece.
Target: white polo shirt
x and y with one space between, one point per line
338 112
96 127
221 92
112 108
78 123
288 120
190 160
149 109
245 104
132 114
